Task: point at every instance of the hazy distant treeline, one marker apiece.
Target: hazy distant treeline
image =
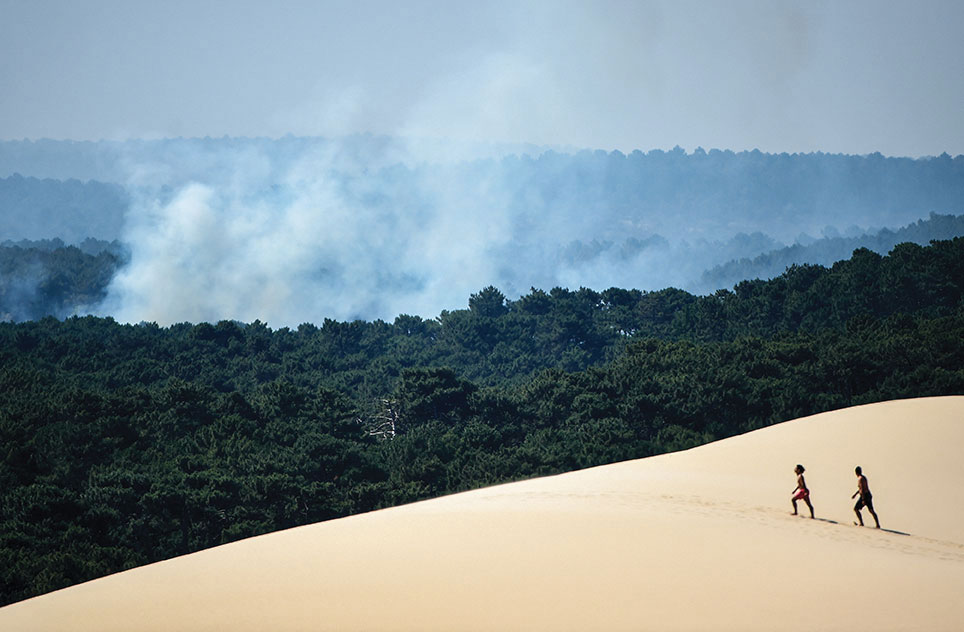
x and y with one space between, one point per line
50 278
70 210
830 249
370 227
639 193
127 444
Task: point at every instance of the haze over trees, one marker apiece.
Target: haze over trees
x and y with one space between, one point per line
71 210
620 195
50 278
830 249
369 227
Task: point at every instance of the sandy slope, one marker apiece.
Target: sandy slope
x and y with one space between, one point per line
695 540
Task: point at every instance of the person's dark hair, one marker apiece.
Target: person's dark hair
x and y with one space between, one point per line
801 468
858 471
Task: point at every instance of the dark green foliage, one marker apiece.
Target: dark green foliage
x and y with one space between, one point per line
48 278
125 444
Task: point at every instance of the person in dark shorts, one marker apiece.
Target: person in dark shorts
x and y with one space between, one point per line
866 498
800 492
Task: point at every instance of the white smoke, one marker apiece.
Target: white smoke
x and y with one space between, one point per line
325 231
323 241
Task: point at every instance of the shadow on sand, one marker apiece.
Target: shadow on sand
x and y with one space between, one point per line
895 532
829 521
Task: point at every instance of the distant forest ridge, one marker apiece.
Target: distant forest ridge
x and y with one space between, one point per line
612 194
371 227
105 159
831 249
71 210
50 278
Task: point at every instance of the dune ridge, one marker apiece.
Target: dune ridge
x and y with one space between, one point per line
694 540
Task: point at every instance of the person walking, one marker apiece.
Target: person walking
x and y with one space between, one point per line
866 498
800 492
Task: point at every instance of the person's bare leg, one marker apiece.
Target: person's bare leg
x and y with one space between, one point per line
809 505
859 517
874 514
794 501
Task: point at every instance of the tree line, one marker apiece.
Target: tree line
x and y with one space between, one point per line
50 278
595 194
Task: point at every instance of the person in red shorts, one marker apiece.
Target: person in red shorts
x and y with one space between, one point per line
801 492
866 498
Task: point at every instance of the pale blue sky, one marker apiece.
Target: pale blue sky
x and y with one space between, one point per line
837 76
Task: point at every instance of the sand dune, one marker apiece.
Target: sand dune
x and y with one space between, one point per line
696 540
